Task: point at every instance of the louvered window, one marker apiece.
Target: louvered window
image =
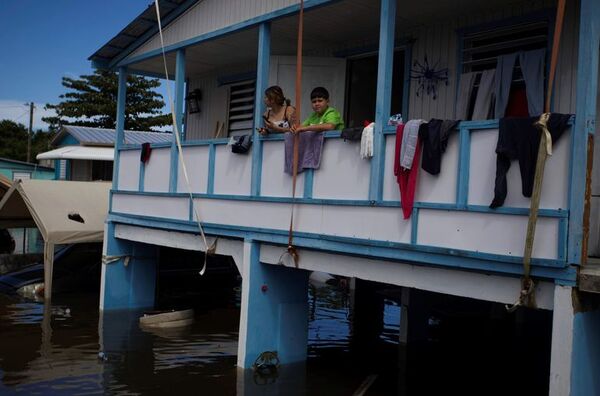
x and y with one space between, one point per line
241 108
481 49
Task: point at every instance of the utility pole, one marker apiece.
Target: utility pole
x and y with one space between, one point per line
30 130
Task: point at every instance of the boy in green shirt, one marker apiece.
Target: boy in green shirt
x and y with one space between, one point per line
324 118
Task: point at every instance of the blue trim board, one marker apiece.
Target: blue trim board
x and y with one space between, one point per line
250 23
178 108
585 122
120 123
309 180
464 159
210 182
414 225
403 252
262 81
142 176
551 213
384 95
180 90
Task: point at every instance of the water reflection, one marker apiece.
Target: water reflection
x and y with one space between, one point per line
69 348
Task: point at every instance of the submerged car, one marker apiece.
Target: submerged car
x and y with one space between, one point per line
76 267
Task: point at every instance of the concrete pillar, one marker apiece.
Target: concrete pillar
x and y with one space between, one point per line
575 355
274 312
130 281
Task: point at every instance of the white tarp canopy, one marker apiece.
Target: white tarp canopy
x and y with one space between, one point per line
79 153
54 207
48 203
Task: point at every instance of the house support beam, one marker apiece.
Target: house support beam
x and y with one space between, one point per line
262 80
575 353
384 96
120 127
129 281
585 123
178 109
274 312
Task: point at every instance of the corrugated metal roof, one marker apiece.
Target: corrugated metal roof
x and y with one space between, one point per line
144 25
106 137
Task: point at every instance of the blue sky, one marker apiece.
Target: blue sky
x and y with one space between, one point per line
44 40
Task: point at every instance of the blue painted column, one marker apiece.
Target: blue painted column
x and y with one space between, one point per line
120 127
262 80
179 106
384 93
274 313
585 121
575 354
127 284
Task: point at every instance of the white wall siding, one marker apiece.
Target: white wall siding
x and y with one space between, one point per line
210 15
213 108
129 170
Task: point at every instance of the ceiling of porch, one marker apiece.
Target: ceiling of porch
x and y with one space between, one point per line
330 30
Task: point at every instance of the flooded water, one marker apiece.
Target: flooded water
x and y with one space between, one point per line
69 349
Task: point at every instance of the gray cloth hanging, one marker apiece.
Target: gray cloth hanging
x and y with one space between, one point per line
532 67
485 94
463 100
504 74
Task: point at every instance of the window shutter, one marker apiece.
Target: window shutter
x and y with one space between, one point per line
240 117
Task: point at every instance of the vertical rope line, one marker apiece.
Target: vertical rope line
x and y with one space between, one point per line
208 249
291 250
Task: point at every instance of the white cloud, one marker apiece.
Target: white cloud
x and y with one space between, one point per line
18 111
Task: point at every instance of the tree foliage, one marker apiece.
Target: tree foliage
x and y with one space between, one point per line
14 141
92 101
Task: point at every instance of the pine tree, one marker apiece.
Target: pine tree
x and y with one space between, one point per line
92 101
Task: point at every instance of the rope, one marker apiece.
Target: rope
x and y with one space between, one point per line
291 250
527 294
114 259
209 249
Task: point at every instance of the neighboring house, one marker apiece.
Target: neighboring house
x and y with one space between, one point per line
27 240
377 58
85 153
13 170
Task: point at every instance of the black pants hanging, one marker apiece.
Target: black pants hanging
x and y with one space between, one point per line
518 138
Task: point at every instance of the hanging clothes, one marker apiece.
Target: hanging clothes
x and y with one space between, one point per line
145 152
463 100
366 142
409 142
518 138
532 67
517 103
406 178
485 95
310 147
434 138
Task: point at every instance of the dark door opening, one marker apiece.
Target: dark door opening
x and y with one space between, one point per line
362 88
